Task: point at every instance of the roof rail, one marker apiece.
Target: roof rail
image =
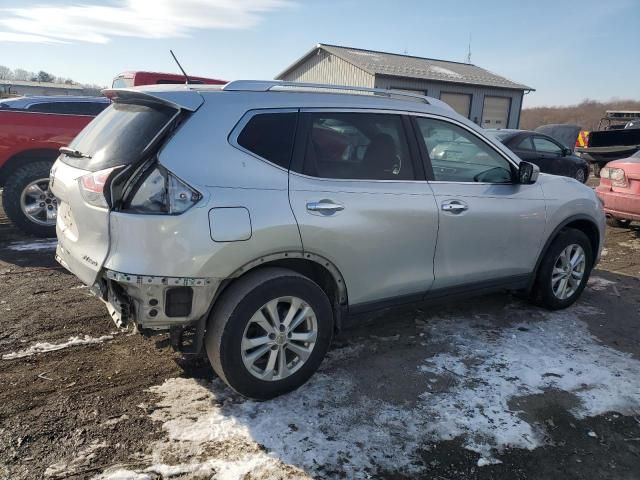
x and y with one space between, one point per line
269 85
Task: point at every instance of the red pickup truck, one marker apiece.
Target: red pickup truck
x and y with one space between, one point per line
32 129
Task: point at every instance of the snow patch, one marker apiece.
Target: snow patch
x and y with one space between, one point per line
33 245
52 347
330 428
526 359
599 283
444 71
64 469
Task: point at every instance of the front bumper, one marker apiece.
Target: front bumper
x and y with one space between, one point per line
155 302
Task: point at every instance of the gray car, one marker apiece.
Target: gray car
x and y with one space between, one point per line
256 218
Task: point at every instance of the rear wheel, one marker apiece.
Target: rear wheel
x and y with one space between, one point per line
596 169
564 270
28 202
269 332
617 222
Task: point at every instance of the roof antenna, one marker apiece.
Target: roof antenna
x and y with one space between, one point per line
468 51
186 77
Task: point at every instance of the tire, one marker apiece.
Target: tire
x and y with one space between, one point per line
232 318
543 292
617 222
596 169
15 185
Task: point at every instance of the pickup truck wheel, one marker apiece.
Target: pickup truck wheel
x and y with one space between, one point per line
269 332
617 222
564 270
28 202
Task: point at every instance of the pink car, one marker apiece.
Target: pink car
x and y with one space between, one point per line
619 189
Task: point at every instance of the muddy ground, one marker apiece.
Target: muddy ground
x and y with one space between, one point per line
489 389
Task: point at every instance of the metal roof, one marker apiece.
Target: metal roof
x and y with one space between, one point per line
396 65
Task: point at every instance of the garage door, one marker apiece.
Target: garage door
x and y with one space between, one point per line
495 113
460 102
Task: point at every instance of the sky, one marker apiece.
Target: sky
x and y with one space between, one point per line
566 50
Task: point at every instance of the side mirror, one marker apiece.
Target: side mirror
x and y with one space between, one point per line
528 173
566 152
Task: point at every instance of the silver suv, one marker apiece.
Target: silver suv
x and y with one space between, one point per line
255 218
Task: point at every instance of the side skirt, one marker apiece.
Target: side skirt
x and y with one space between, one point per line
516 282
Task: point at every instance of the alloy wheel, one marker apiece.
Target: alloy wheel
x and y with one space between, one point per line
279 338
568 271
38 203
580 175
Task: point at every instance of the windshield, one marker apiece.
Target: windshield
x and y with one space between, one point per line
119 135
122 83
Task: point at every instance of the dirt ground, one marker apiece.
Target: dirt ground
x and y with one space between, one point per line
486 389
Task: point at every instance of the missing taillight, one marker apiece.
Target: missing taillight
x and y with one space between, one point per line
161 192
92 187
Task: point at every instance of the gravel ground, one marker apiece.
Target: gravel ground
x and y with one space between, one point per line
491 388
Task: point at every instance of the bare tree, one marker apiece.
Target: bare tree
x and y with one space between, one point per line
21 74
5 73
587 114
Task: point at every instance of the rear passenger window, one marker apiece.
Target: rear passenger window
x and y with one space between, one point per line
525 144
270 136
361 146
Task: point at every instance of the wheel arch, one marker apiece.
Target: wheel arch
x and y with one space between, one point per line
315 267
583 223
24 157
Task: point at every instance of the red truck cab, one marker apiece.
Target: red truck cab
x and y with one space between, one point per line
134 79
32 129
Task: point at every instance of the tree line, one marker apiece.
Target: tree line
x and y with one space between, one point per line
21 74
586 114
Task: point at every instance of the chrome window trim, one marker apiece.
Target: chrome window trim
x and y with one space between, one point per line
232 138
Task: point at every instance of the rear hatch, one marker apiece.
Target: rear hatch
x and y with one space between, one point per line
88 177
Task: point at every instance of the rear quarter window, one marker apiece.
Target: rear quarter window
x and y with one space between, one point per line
270 136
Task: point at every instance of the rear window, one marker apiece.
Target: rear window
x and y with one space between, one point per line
270 136
119 135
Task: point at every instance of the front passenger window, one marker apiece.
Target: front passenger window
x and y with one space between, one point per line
459 156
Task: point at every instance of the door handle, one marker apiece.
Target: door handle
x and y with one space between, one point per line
454 206
325 207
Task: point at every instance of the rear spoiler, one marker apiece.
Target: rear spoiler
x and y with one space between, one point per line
180 99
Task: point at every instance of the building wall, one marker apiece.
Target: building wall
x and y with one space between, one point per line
326 68
40 90
433 89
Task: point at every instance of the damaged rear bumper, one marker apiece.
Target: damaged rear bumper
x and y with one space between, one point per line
154 302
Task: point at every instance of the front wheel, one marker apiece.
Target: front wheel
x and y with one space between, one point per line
269 332
581 175
28 202
617 222
564 270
